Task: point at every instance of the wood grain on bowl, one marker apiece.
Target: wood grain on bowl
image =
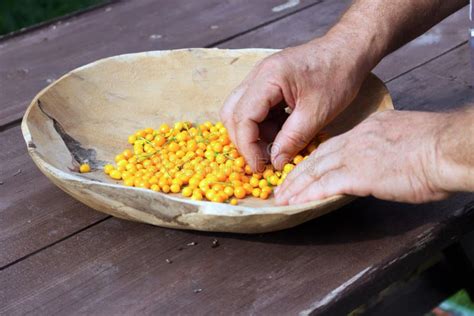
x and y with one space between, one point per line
86 115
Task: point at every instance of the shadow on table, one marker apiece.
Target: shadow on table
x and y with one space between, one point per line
363 219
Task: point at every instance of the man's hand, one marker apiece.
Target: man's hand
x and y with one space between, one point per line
316 80
319 79
392 155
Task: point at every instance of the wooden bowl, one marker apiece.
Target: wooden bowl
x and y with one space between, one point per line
86 116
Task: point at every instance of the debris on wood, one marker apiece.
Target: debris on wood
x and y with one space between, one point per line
193 243
18 172
215 243
169 261
155 36
1 182
197 290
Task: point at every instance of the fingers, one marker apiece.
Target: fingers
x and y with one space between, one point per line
249 144
227 110
327 157
305 175
324 150
329 149
250 110
335 182
298 130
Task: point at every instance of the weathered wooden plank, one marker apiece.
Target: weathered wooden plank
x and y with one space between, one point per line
28 62
48 225
315 21
291 31
443 84
418 295
329 264
33 212
442 38
121 267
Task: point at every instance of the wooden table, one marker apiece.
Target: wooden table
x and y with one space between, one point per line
59 256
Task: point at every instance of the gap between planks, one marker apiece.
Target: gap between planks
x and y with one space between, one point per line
109 217
229 38
425 62
6 125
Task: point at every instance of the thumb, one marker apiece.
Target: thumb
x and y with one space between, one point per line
297 131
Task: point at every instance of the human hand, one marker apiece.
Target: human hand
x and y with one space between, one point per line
316 80
392 155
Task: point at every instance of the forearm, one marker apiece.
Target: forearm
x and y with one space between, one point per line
455 151
371 29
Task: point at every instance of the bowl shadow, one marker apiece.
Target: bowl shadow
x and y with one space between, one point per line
364 219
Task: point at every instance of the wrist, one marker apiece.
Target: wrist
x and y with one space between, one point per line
346 60
361 39
454 168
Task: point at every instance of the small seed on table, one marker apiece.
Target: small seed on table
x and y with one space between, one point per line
197 290
215 243
193 243
169 261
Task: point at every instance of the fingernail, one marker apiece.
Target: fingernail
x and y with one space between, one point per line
253 165
279 161
292 200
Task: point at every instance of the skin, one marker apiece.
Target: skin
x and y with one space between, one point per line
394 155
317 80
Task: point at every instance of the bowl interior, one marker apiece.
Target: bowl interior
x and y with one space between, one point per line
88 114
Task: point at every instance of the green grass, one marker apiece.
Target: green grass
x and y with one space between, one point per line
16 14
459 303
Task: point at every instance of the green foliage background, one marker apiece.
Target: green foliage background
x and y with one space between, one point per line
15 14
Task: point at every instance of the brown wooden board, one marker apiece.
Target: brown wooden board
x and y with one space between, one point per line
331 264
121 267
443 84
442 38
303 26
29 61
55 220
33 212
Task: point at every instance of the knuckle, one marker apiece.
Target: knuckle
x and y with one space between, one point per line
322 148
369 127
272 61
379 118
296 138
324 182
272 65
239 120
314 172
